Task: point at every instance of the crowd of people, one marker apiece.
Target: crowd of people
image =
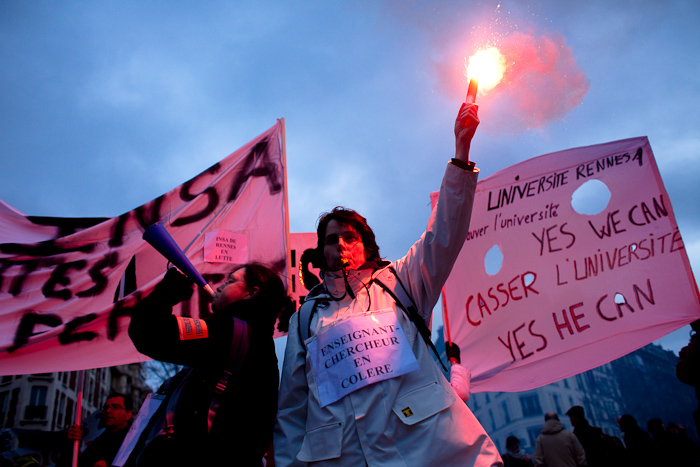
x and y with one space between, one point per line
229 405
589 446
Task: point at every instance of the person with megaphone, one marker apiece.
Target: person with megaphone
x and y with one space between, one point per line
220 409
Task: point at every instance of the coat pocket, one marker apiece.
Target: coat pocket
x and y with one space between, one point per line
322 443
421 403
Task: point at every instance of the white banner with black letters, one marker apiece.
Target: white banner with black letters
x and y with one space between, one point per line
67 286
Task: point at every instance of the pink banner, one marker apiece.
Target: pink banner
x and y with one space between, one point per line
61 279
573 259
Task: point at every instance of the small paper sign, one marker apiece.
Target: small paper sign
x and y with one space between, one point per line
358 352
226 247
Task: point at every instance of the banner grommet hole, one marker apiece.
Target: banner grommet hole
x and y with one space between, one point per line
493 260
591 198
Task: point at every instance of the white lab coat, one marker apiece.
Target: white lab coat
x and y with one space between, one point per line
371 425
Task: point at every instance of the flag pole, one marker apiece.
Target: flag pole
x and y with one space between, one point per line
287 234
446 323
445 320
78 416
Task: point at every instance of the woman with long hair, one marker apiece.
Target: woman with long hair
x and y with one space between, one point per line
221 407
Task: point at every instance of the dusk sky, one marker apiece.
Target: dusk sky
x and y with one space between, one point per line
107 105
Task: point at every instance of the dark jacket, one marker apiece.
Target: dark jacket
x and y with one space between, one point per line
641 449
592 440
242 430
519 459
102 448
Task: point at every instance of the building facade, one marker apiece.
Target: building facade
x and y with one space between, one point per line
521 414
47 401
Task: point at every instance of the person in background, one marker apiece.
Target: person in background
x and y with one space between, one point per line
591 437
460 377
514 456
557 447
208 425
657 431
641 449
408 419
678 448
688 367
116 418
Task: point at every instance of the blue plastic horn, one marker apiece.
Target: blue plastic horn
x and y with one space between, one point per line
160 239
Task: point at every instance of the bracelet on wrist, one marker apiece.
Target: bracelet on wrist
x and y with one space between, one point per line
464 165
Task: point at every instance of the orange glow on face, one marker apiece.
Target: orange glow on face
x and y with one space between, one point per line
487 66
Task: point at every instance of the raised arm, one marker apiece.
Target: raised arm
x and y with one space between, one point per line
424 269
155 331
465 127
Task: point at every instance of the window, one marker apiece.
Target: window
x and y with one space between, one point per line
36 410
4 403
504 407
61 400
557 405
90 387
530 405
69 411
96 395
12 409
592 382
38 396
533 432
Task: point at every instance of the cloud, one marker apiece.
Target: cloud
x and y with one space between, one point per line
542 82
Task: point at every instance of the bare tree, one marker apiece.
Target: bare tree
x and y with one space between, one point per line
155 372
